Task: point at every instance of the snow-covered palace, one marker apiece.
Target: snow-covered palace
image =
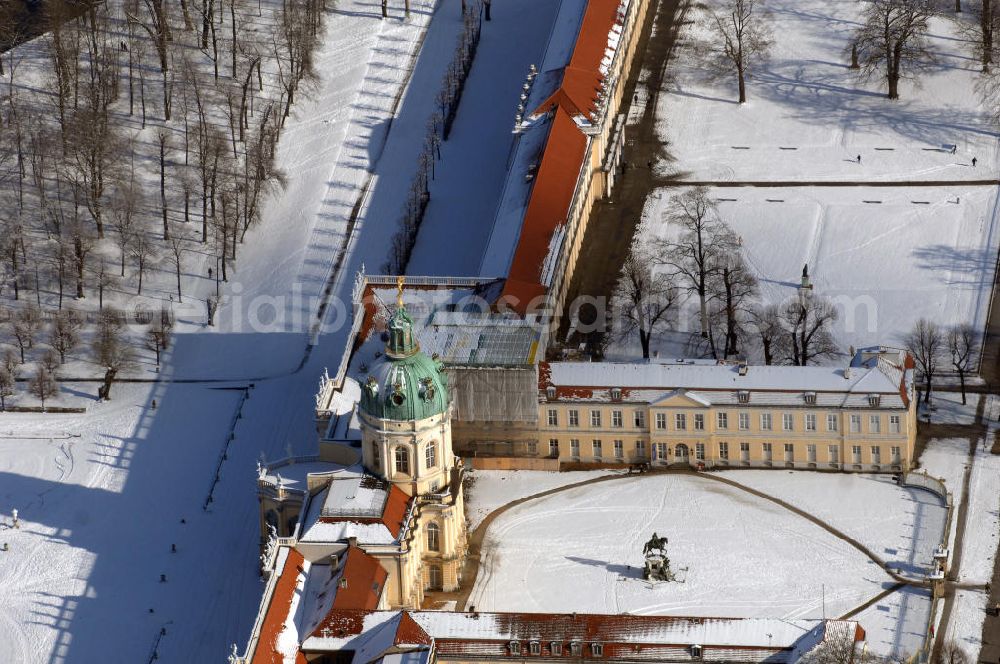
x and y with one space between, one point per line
440 370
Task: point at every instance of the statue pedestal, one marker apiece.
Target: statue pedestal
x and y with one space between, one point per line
657 568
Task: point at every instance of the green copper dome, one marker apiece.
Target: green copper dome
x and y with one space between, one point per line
405 384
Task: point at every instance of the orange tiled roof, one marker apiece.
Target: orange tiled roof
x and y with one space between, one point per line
277 612
563 157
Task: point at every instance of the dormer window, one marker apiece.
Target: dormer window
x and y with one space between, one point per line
597 649
556 647
616 394
810 398
874 400
695 652
743 396
535 648
515 647
550 392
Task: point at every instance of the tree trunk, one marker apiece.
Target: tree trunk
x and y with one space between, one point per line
854 56
743 86
986 25
644 341
958 6
961 379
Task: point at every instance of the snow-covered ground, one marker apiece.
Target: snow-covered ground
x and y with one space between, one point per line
903 526
490 489
886 256
737 555
808 101
895 626
948 459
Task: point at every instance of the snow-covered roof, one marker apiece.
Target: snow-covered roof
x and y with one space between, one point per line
355 504
644 638
455 325
652 381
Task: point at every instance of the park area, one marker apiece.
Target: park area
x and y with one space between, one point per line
891 203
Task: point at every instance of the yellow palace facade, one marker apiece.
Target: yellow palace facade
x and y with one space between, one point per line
858 418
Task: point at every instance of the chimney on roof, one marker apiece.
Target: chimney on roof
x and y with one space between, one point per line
847 373
352 542
743 368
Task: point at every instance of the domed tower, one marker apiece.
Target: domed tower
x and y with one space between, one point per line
405 414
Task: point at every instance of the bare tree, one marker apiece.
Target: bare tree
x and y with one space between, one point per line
125 202
926 342
158 334
24 327
163 141
963 347
696 257
768 322
143 250
643 297
744 40
43 386
112 350
11 364
732 292
65 333
807 319
50 360
891 39
7 387
950 652
177 253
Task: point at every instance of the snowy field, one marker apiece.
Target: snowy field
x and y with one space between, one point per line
581 550
491 489
885 256
807 99
915 253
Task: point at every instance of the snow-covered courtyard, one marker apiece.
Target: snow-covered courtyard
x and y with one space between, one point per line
735 554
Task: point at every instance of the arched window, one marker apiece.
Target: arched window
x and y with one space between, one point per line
431 454
433 537
376 455
402 460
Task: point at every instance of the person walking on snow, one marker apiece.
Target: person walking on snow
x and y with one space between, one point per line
973 162
859 159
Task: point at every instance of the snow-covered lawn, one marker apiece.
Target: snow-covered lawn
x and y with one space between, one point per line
886 256
100 498
806 98
903 526
738 555
490 489
896 625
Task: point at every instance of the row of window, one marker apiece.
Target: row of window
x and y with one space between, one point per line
697 421
681 451
556 648
401 457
